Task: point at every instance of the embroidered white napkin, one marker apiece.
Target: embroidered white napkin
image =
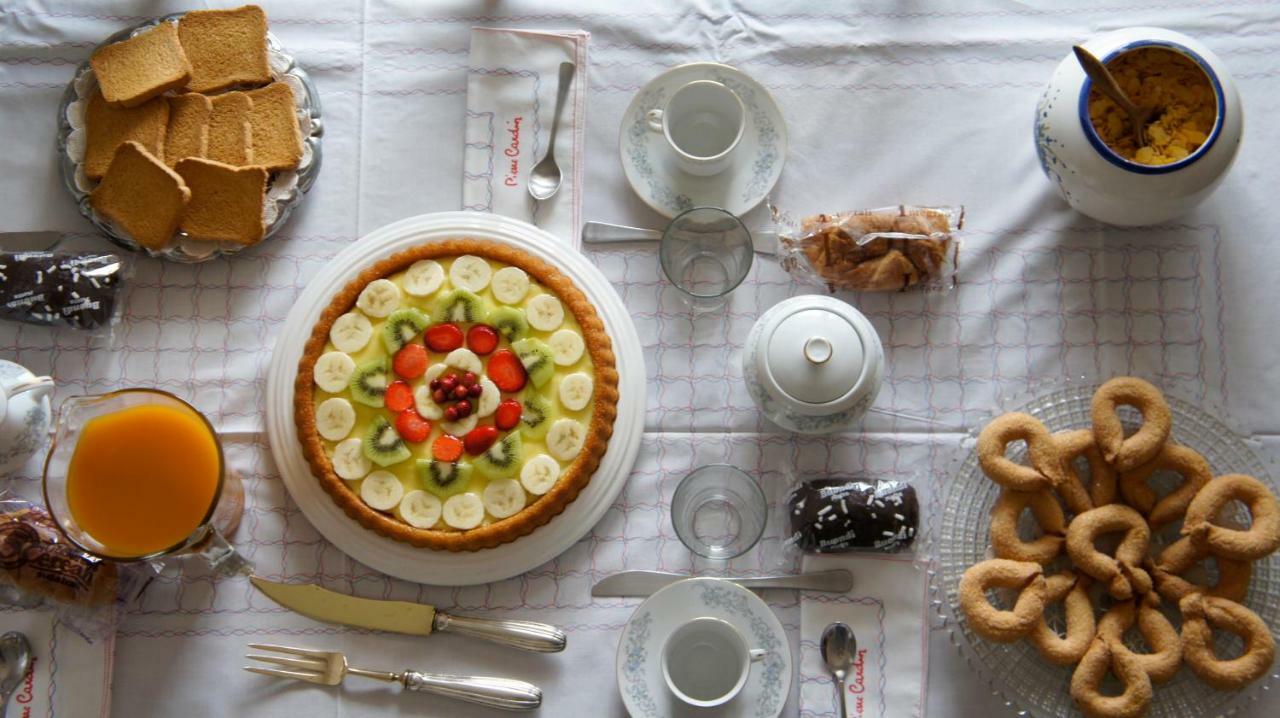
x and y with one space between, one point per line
68 677
886 611
512 79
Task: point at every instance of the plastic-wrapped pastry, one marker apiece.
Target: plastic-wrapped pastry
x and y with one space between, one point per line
838 515
74 289
35 558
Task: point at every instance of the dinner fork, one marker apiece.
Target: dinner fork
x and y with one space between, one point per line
330 667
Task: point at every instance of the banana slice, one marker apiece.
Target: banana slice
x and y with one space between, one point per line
539 474
426 406
464 359
333 370
510 284
545 313
564 439
423 278
381 490
420 509
335 418
470 273
460 427
349 460
575 390
463 511
503 498
350 332
490 396
380 298
566 347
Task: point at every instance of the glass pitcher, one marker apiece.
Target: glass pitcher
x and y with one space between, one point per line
105 447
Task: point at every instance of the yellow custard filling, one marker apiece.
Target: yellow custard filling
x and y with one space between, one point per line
563 402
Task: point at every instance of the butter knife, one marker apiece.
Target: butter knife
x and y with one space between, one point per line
416 619
645 583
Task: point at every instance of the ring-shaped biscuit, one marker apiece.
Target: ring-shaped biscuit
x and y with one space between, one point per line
993 623
1100 488
1093 668
1005 541
1065 650
1045 471
1120 573
1262 537
1185 462
1166 645
1181 555
1200 614
1127 454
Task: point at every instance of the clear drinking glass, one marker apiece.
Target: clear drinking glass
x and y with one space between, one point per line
718 511
206 540
705 253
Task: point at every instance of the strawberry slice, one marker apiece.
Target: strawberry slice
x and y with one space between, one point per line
443 337
478 440
410 362
506 371
447 448
412 427
399 396
482 339
507 417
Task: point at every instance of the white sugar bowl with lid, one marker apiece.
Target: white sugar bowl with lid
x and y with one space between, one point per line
813 364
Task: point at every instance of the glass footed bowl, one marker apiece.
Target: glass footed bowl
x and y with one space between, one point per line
1015 671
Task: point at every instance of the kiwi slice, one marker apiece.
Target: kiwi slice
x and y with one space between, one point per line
443 478
537 359
459 306
383 445
369 382
401 327
502 460
510 323
536 415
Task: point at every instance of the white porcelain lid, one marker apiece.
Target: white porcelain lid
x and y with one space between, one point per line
815 356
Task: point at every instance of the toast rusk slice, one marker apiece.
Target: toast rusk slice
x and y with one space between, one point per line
188 132
226 48
142 196
108 127
277 141
230 131
226 202
132 71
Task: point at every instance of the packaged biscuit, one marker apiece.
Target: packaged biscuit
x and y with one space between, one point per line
840 515
71 289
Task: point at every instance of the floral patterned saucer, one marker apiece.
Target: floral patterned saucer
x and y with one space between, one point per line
757 162
639 668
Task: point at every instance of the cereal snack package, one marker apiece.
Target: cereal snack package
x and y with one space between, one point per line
873 250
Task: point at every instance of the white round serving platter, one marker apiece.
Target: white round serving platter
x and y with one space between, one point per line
445 568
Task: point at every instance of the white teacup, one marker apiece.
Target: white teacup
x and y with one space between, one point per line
706 661
24 414
703 123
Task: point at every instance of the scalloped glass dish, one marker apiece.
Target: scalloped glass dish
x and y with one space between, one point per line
1016 672
284 189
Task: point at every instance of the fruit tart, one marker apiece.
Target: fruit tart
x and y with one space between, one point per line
456 395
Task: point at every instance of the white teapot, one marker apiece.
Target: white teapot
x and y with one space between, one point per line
813 364
24 414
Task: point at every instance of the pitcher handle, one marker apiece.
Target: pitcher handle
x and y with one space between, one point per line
222 556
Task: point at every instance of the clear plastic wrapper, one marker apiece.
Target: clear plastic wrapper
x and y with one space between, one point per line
839 515
81 290
874 250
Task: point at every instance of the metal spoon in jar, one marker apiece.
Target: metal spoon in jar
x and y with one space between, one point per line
1106 84
544 179
839 646
15 659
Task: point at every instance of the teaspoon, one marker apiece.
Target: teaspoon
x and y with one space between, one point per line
544 179
15 659
839 646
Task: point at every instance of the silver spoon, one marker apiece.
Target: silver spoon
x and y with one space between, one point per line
1106 83
15 659
839 646
544 180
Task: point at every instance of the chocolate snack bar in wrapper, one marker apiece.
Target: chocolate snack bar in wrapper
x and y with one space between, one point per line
35 558
73 289
875 250
839 515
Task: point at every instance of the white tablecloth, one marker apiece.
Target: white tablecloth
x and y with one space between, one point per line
885 102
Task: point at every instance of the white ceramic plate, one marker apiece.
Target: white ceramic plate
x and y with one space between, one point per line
757 162
639 663
445 568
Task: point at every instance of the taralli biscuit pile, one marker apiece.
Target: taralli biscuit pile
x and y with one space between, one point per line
1108 592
